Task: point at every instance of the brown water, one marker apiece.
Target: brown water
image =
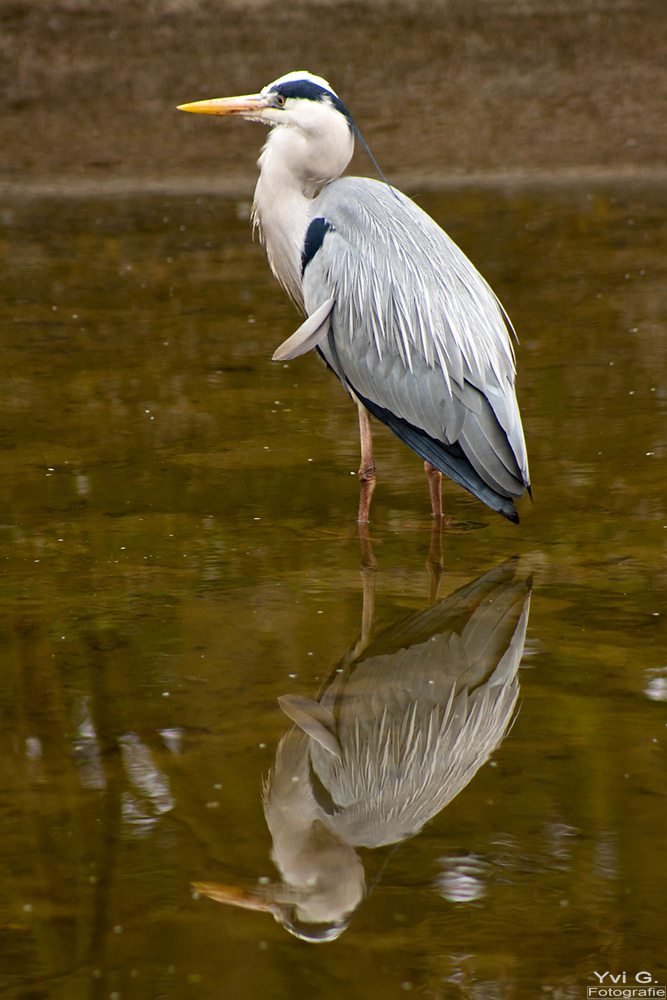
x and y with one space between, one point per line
179 550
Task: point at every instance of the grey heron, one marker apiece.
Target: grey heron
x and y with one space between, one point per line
410 327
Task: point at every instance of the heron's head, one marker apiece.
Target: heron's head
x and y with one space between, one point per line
298 100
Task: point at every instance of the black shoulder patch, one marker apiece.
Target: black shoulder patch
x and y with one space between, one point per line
315 234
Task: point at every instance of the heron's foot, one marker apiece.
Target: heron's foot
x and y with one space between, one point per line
366 489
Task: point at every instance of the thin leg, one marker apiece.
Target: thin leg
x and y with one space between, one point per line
367 467
434 477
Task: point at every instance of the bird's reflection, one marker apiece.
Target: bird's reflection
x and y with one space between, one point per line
398 730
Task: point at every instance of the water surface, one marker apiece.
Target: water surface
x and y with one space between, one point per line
179 550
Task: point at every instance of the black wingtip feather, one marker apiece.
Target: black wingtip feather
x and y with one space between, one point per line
449 459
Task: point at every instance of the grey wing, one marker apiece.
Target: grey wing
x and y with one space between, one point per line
417 335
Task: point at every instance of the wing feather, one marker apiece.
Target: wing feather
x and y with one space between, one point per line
309 334
415 329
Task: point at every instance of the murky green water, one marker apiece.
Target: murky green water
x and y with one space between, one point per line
179 550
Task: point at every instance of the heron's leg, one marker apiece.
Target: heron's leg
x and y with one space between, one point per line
367 467
434 477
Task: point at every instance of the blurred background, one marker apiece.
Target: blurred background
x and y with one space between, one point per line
439 89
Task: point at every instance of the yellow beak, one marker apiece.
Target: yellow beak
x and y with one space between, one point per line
226 105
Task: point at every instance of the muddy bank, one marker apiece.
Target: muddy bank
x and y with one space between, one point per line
440 90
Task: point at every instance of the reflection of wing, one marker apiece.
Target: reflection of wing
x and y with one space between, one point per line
418 714
314 719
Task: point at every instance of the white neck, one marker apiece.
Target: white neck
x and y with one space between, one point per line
295 164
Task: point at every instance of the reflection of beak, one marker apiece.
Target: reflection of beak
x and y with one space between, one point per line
282 911
234 896
250 104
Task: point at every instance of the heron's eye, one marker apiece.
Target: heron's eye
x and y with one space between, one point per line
280 101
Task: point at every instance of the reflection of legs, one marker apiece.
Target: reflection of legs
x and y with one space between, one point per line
367 467
434 558
434 477
368 570
368 577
